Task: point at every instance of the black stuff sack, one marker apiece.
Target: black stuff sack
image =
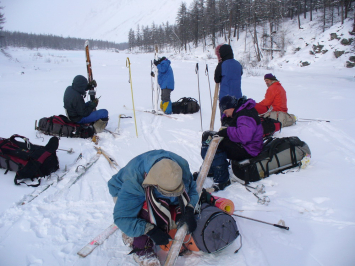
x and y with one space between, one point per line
215 229
185 106
61 126
270 126
29 161
278 154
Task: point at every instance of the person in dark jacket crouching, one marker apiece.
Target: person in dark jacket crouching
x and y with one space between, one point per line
154 193
242 134
80 112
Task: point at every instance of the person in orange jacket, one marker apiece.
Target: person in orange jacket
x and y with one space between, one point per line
275 96
275 103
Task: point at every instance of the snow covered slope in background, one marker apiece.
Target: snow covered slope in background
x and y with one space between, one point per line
88 19
317 202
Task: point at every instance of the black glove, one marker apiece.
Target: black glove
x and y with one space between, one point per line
152 74
206 197
158 236
207 134
189 219
156 62
94 103
93 83
223 133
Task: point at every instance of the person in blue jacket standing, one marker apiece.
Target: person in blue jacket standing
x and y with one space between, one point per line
228 72
152 193
166 83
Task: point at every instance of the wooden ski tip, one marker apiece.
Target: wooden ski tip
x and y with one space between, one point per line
86 251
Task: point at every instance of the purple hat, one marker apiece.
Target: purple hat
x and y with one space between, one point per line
270 76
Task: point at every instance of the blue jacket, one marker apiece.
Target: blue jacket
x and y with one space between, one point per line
127 186
228 73
165 75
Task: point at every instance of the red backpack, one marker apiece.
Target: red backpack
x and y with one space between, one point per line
28 160
61 126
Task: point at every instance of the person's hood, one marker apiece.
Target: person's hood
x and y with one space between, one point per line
80 84
248 104
224 52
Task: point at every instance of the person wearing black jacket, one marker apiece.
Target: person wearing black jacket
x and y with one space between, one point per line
80 112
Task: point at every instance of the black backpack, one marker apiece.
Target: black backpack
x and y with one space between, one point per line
185 106
270 126
278 154
61 126
28 160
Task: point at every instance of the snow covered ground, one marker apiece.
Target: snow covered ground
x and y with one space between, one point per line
317 203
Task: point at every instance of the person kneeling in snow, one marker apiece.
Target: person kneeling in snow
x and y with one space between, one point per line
276 101
166 83
242 134
80 112
151 192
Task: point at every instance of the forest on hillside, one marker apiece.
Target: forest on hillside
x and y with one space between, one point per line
206 20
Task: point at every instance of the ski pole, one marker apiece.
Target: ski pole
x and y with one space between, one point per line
68 151
128 65
151 81
209 85
276 225
310 119
199 98
157 88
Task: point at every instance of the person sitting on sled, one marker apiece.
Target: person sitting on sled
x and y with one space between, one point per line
242 134
80 112
166 83
275 100
152 192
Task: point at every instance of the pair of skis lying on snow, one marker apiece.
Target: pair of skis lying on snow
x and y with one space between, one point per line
80 171
181 233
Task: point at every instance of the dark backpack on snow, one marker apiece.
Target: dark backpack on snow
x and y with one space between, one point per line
28 160
278 154
61 126
270 126
185 106
215 229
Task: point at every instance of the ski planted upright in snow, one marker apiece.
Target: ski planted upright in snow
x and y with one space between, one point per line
182 231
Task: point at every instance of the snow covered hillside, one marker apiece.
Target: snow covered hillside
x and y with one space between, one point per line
317 202
90 19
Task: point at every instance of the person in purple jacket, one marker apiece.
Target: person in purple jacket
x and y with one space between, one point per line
242 134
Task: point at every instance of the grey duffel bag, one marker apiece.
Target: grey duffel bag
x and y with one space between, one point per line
277 155
215 229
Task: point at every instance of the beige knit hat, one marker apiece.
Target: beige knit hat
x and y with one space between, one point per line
166 176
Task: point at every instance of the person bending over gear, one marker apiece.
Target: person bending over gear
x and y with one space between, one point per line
228 72
276 100
242 134
151 192
166 83
80 112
